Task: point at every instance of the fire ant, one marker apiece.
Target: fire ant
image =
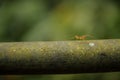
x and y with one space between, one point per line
83 37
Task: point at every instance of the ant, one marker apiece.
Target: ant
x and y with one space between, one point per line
83 37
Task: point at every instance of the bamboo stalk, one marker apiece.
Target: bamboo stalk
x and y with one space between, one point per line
60 57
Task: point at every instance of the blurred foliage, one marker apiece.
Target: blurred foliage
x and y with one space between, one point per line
41 20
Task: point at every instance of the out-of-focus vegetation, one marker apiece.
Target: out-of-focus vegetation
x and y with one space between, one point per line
41 20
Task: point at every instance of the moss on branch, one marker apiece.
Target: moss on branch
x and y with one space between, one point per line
60 57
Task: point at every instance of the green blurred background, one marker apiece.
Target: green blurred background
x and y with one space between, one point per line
49 20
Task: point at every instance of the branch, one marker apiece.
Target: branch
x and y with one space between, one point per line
60 57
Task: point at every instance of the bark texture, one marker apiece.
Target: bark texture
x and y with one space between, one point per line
60 57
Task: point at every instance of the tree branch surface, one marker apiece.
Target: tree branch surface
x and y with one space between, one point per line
60 57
